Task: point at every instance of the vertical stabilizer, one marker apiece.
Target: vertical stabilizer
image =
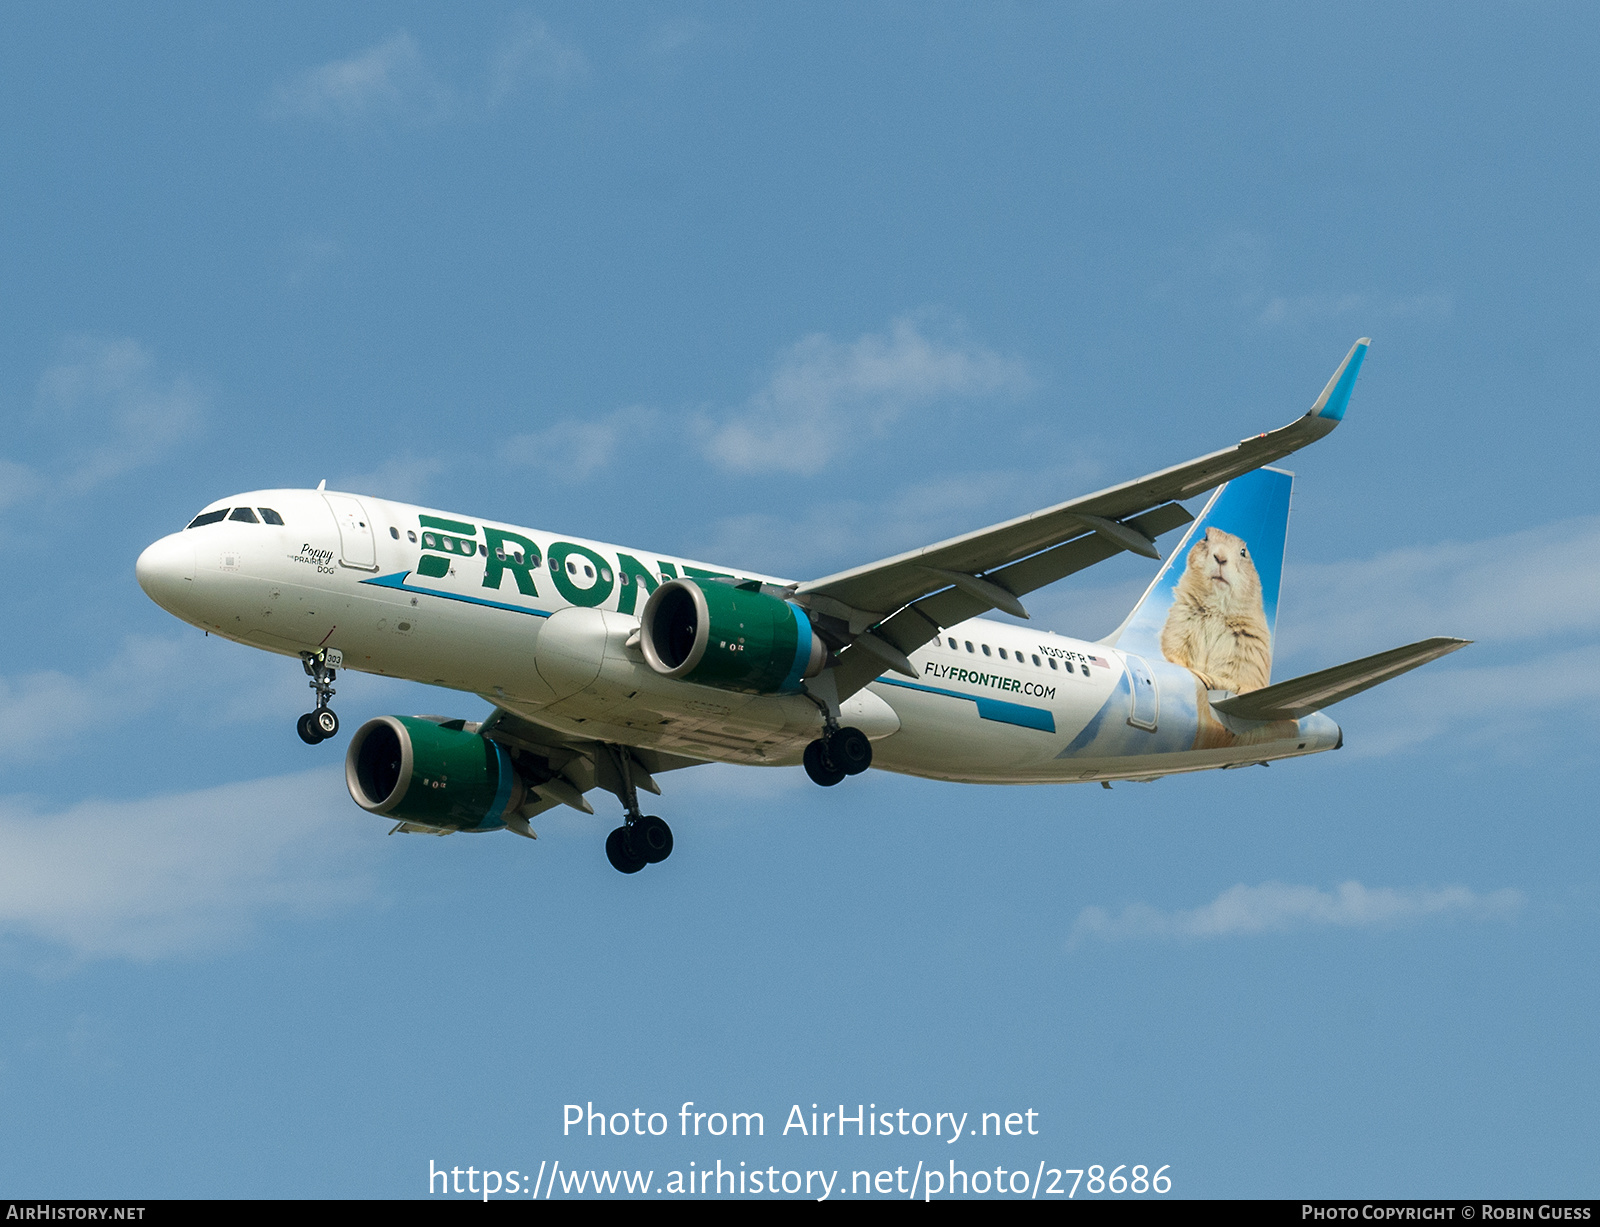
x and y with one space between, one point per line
1214 606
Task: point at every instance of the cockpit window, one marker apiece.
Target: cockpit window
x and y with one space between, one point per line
208 517
244 515
269 516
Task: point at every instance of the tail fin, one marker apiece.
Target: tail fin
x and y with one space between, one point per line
1213 608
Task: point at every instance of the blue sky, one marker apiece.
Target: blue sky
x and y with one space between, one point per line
793 288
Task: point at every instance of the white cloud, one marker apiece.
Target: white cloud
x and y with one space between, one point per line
1537 590
1276 907
387 80
573 449
235 686
1285 310
180 873
532 52
17 482
1238 266
847 532
392 80
675 36
1514 587
108 391
829 397
1498 711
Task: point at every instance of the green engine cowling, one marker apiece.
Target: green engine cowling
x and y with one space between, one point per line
731 637
436 775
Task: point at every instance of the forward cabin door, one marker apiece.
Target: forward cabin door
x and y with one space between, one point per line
357 547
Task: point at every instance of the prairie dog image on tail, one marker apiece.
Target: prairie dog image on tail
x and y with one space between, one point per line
1217 627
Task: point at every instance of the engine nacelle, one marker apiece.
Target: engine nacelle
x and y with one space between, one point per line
437 775
729 637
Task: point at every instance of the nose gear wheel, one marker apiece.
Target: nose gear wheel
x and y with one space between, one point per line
320 723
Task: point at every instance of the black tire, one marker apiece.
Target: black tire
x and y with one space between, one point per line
325 722
621 853
308 730
850 751
652 839
819 767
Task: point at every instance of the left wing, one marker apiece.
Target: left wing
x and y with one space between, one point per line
881 612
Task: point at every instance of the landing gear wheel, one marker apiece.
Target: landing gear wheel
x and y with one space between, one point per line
819 767
850 751
652 839
621 852
320 723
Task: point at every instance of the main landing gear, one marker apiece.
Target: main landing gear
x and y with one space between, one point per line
319 724
642 839
837 753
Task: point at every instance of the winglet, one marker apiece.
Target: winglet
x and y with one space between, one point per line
1336 396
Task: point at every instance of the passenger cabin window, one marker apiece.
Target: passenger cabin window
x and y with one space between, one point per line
244 515
986 649
208 517
952 643
969 645
269 516
411 536
1036 662
1003 654
1052 662
394 532
1070 668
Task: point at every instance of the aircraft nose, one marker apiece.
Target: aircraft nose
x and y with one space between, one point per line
166 570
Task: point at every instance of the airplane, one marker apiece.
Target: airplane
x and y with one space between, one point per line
607 666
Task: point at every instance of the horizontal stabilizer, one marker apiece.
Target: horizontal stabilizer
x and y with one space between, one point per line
1301 696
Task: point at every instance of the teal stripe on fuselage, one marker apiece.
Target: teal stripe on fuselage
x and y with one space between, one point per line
398 581
998 710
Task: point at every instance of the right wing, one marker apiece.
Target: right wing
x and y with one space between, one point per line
1301 696
882 612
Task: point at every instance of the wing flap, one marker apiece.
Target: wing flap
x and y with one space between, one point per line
1301 696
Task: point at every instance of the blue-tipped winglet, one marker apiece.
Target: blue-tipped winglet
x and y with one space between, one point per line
1331 404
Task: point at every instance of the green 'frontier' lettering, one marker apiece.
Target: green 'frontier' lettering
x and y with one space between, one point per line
630 574
521 559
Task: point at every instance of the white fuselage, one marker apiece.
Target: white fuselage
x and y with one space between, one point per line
540 625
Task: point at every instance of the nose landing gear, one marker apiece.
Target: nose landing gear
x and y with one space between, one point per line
321 723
